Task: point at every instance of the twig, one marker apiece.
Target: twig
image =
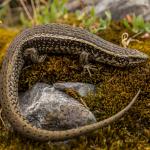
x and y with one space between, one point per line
34 11
126 39
37 3
135 35
2 118
5 3
44 2
111 78
26 10
83 102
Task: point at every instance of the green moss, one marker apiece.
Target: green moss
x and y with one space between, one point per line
116 88
5 38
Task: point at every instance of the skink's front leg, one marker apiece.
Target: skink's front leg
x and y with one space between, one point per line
84 61
34 56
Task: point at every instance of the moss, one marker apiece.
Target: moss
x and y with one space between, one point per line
116 87
5 38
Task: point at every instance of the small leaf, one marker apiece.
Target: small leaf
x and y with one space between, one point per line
92 12
147 27
108 16
126 24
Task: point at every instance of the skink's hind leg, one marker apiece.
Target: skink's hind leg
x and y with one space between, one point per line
84 61
34 56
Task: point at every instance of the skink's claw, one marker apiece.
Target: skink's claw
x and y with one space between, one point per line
89 67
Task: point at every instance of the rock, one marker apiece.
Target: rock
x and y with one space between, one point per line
81 88
74 4
124 7
51 109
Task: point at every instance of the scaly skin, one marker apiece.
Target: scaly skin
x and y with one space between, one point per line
58 39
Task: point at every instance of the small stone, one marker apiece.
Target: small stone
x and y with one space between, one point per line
81 88
51 109
124 7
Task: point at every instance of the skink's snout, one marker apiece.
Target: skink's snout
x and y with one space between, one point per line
142 55
137 58
145 56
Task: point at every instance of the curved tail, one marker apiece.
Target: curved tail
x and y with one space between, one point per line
44 135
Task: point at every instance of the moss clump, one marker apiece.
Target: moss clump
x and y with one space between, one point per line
116 87
5 38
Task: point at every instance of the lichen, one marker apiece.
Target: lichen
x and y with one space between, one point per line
115 89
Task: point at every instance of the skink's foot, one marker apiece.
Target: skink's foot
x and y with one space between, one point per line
84 60
34 56
42 58
89 67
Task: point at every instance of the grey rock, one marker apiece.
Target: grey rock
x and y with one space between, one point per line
118 8
73 5
51 109
81 88
124 7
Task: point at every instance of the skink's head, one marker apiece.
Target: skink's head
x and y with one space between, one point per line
136 57
129 57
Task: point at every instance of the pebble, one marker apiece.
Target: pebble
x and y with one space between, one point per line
124 7
49 108
81 88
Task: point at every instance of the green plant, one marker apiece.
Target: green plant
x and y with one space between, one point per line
3 11
104 23
46 13
94 23
137 24
90 20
